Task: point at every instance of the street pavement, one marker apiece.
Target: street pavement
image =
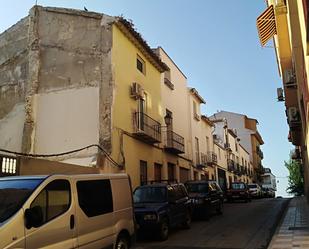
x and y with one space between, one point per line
242 226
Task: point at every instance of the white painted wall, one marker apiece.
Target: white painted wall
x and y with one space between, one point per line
11 129
67 120
237 121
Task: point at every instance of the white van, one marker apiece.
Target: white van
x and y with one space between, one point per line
66 211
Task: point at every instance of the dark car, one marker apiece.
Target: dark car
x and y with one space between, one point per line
206 197
160 206
238 191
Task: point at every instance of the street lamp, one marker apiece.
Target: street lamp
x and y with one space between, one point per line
168 119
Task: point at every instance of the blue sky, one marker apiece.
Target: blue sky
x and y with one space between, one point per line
215 43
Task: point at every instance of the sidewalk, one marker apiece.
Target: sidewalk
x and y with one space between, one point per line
293 231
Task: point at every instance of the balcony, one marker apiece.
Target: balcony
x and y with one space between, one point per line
237 170
259 152
146 128
230 165
296 154
174 143
212 158
201 163
169 84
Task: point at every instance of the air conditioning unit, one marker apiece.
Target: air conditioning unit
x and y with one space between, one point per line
136 91
293 115
289 78
280 95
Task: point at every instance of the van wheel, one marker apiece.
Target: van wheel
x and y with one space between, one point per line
122 242
163 230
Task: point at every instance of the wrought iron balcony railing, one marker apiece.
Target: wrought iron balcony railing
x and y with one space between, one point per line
230 165
212 158
146 128
174 143
202 163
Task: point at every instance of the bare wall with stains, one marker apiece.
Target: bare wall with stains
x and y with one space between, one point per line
61 72
13 80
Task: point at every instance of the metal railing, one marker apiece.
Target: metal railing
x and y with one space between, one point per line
197 158
202 162
147 128
169 83
212 157
230 165
175 142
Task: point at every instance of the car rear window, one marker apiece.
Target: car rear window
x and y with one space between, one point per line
150 195
197 187
238 186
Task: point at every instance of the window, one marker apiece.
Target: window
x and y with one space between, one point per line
236 146
169 114
143 172
167 80
95 197
171 171
219 152
53 200
197 151
195 111
140 64
194 108
207 144
157 171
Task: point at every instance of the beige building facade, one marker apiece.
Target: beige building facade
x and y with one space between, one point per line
288 28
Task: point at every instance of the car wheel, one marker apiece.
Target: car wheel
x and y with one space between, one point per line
163 230
219 208
187 223
122 242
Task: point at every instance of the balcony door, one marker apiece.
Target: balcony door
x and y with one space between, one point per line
171 171
158 172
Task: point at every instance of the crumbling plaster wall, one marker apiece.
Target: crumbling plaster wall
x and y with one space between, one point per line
44 58
75 72
13 80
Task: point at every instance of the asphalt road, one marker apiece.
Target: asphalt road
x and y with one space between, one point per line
242 226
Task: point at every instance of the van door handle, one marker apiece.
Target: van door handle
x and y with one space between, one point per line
72 221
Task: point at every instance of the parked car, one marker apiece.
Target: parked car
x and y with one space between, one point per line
268 193
206 197
238 191
66 211
159 206
255 190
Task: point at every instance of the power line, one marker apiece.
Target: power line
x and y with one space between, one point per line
62 153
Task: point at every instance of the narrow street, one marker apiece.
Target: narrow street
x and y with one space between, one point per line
242 226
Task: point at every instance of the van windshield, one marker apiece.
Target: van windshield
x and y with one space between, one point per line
13 194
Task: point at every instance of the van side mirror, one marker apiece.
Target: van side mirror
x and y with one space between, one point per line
33 217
